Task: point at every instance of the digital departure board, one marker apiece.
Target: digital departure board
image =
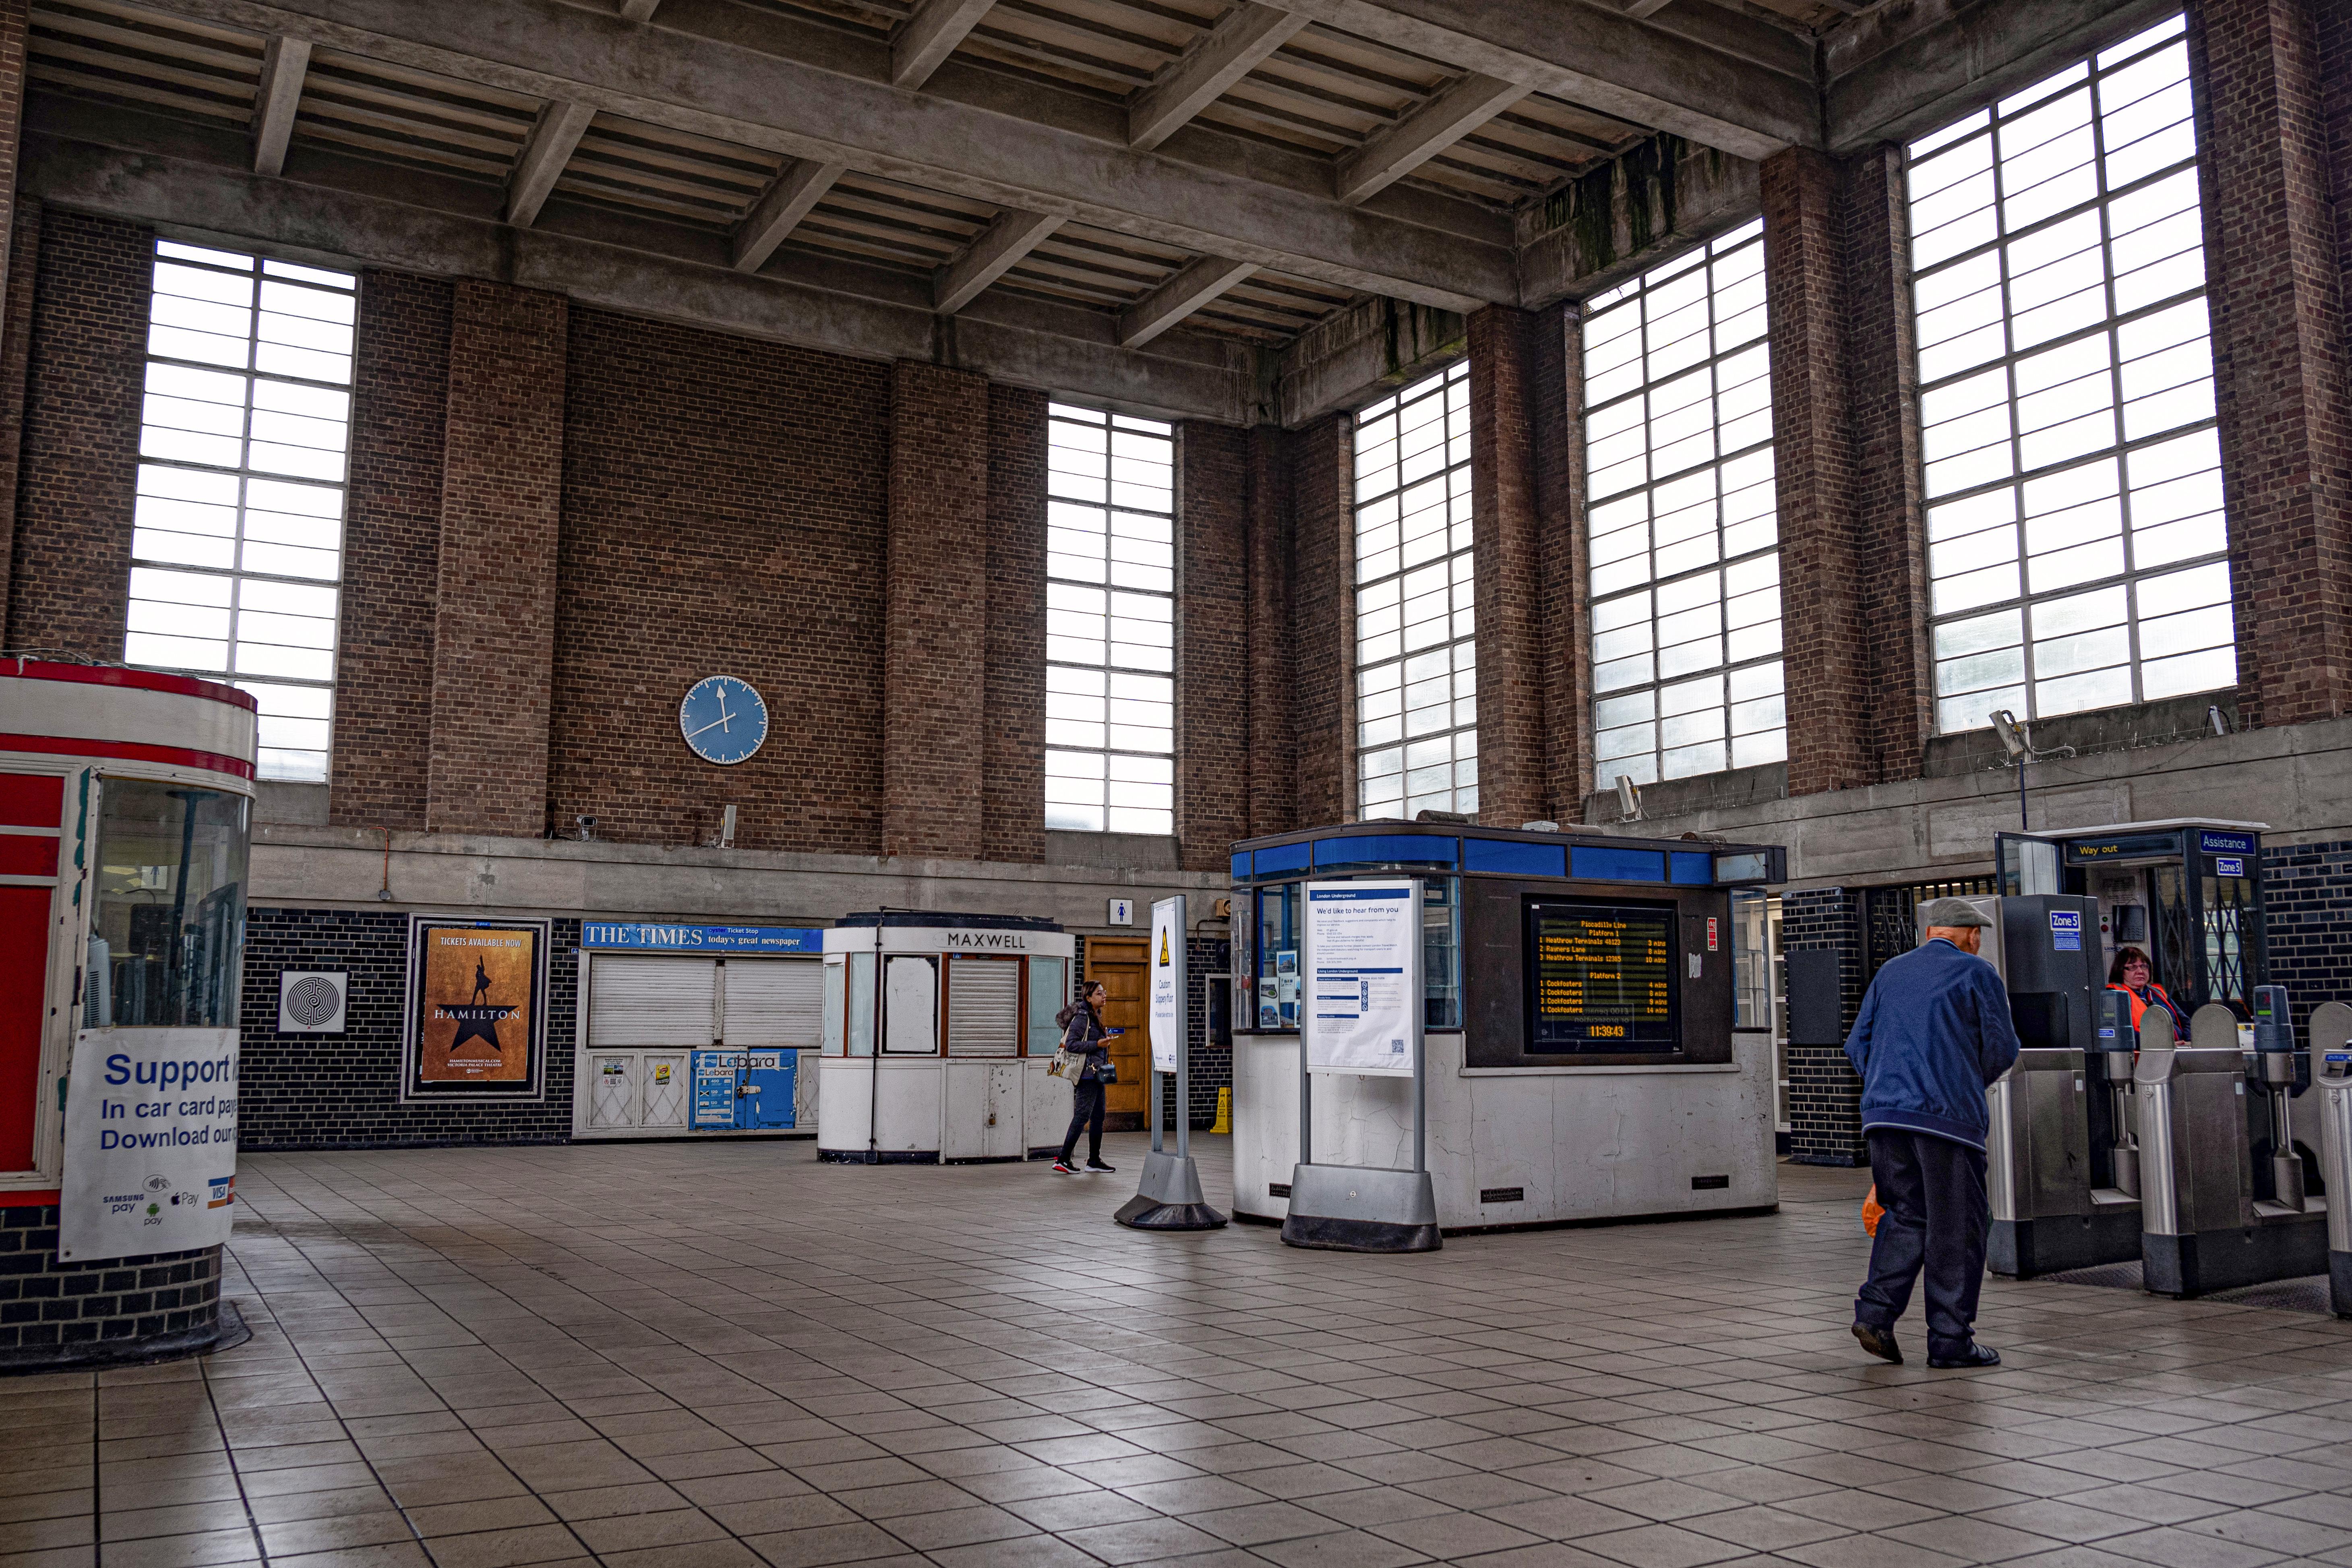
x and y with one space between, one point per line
1601 977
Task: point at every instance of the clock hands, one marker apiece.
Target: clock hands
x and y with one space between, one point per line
714 725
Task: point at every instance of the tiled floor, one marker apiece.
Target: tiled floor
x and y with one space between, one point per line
667 1354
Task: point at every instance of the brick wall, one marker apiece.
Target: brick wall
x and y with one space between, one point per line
2306 893
392 552
1271 703
1555 398
1013 822
935 613
2281 383
1883 375
1323 619
501 506
1824 1094
342 1091
71 570
1212 783
47 1307
722 515
16 357
1821 572
1506 533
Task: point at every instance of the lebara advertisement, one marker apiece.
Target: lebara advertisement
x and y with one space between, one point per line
476 996
150 1143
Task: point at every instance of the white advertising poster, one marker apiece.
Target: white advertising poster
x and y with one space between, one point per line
1167 983
1362 1007
150 1143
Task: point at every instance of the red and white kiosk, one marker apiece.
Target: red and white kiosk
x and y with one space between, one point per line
125 825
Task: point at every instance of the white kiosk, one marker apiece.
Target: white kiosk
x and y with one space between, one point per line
962 1009
1589 1051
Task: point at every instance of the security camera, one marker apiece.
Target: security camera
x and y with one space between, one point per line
587 825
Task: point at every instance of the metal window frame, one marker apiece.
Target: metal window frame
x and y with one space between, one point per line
1630 295
244 472
2110 325
1438 384
1109 426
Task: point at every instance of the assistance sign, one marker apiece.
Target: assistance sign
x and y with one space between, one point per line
150 1143
1167 983
1362 1004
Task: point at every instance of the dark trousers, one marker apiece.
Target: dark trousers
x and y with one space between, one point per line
1086 1112
1933 1193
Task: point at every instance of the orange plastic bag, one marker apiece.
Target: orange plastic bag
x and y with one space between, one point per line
1872 1211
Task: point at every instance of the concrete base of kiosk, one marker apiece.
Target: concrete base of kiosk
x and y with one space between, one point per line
1520 1146
1169 1197
1358 1208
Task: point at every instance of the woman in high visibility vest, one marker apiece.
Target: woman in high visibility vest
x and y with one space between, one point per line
2132 975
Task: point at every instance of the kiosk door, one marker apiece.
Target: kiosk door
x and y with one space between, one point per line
1118 965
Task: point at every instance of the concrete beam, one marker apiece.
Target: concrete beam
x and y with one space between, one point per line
1645 8
639 10
1446 116
773 218
730 92
1200 76
560 126
1712 75
1903 70
378 217
1192 286
283 63
930 36
1352 355
1714 192
990 255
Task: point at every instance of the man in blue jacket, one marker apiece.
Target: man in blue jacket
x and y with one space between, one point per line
1932 1031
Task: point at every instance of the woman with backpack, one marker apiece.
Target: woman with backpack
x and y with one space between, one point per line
1083 1034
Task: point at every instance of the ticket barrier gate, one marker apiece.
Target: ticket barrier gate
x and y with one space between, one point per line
2212 1219
2061 1167
2330 1039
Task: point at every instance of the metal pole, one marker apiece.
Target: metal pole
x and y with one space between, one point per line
1416 992
1306 1017
1184 1058
1152 1075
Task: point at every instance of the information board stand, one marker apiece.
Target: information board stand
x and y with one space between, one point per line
1168 1195
1360 1012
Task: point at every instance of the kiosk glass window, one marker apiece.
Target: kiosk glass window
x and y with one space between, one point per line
1049 990
2077 547
1685 567
1110 623
849 1004
1277 968
1416 649
169 907
236 531
1278 933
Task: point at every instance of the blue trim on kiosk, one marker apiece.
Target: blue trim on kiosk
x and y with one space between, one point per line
1364 846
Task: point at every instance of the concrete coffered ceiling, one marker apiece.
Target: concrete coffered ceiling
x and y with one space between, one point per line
1140 200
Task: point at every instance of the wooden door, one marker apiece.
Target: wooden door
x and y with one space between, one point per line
1119 966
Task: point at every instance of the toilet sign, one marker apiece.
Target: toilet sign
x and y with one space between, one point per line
1167 983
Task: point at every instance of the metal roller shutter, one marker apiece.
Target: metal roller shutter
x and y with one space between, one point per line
984 1007
774 1002
636 1001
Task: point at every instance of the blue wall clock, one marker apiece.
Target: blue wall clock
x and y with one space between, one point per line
722 720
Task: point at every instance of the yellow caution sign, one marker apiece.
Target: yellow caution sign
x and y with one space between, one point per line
1225 1122
1163 950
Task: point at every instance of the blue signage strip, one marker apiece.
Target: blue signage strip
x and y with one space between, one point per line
603 935
2213 843
2066 931
1598 863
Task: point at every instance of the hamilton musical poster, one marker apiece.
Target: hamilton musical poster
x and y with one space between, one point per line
477 1005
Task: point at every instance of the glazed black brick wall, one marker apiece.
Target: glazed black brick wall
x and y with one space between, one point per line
342 1091
45 1304
1824 1094
2306 894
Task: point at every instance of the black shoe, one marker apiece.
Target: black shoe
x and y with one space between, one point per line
1099 1165
1064 1168
1975 1356
1879 1343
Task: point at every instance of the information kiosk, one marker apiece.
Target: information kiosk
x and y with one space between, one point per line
1596 1046
937 1031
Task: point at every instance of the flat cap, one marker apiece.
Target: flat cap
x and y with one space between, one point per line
1951 913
